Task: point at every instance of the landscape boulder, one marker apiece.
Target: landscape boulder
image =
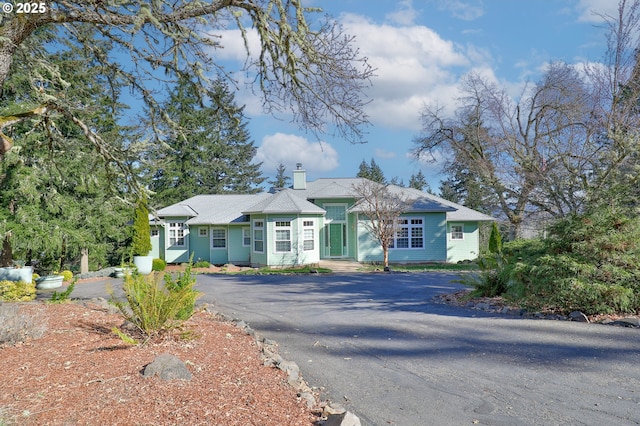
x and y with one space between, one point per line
167 367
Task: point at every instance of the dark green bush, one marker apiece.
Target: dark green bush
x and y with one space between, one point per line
589 263
159 265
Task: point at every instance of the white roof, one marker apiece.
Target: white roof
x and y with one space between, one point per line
220 209
285 201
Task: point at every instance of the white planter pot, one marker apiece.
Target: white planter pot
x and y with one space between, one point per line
144 264
16 274
49 282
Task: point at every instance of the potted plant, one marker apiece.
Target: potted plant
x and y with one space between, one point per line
141 245
49 278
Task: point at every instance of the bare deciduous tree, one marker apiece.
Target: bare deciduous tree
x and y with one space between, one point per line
565 142
314 72
382 208
616 93
517 148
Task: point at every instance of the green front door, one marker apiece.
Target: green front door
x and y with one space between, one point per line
336 241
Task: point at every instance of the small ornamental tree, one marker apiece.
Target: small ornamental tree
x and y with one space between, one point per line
382 208
141 244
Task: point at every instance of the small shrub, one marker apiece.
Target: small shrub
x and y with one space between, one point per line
154 307
158 265
184 283
17 326
17 291
493 278
63 296
201 264
68 275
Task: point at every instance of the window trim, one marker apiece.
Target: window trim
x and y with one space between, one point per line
406 223
203 234
309 225
255 228
247 230
452 232
346 212
218 238
279 225
180 226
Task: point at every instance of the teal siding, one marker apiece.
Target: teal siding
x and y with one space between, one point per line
434 241
467 248
199 244
237 253
258 258
176 254
297 255
157 249
350 249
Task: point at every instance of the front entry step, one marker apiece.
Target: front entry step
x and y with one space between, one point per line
340 265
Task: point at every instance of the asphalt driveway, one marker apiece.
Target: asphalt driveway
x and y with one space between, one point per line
381 346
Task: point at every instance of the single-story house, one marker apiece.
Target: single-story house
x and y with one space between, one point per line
308 222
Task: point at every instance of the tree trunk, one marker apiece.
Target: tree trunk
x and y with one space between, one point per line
6 257
84 261
385 250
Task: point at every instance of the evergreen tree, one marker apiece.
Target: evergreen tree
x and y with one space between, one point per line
418 181
397 181
376 173
364 170
281 180
448 191
56 202
209 153
371 171
141 244
464 188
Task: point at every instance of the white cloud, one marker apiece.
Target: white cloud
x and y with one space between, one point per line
591 10
405 14
414 67
291 149
381 153
466 10
233 45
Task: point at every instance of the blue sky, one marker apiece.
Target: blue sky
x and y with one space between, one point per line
420 49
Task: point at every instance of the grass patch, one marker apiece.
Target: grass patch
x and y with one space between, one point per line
280 271
422 267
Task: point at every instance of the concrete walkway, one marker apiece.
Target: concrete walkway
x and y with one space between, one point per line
341 265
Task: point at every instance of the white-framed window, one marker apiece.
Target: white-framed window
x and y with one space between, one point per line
409 234
457 231
335 212
176 234
155 232
258 236
246 237
283 236
308 235
203 232
218 238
